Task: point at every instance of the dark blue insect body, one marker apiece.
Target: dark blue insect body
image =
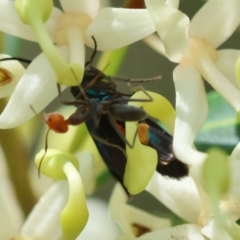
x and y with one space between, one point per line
104 91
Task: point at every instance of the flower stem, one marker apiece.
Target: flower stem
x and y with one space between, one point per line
17 159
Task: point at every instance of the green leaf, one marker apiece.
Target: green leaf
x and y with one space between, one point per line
221 128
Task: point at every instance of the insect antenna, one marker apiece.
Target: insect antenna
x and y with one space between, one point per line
46 140
16 58
89 62
45 152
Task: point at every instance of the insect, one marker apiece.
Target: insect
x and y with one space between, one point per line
110 125
152 135
104 110
103 88
157 138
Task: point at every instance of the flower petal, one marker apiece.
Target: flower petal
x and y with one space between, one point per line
171 24
141 163
180 196
173 3
99 226
11 216
86 162
52 23
75 214
213 230
226 61
10 74
191 110
218 27
37 87
43 222
126 216
155 43
218 81
89 7
186 232
10 22
234 166
118 27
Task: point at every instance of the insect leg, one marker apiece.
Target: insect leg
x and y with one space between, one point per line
112 121
107 143
69 103
126 100
132 80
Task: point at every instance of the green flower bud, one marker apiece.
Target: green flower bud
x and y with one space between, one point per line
216 172
30 9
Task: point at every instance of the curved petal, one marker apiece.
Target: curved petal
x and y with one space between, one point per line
118 27
10 22
235 178
43 222
155 43
86 162
89 7
180 196
126 216
216 28
52 23
191 110
10 74
11 216
37 87
173 3
171 25
141 163
226 61
186 231
213 230
99 226
218 81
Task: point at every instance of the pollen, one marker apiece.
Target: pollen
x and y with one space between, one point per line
5 77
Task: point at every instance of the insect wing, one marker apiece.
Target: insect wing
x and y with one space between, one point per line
161 141
113 157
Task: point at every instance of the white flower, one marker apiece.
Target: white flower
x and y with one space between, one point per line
186 199
10 73
43 223
209 28
70 30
